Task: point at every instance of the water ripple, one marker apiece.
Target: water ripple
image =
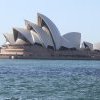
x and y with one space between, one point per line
49 80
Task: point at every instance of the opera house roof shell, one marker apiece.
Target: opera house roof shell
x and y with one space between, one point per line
74 38
44 33
87 45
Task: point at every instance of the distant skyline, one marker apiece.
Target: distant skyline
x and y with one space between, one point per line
68 15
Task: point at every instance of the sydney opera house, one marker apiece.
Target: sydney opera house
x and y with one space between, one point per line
43 40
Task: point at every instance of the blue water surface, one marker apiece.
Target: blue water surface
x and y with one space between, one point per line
49 80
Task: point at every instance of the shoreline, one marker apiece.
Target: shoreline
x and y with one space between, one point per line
49 58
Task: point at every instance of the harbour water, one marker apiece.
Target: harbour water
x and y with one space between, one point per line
49 80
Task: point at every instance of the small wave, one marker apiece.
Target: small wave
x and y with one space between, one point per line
12 98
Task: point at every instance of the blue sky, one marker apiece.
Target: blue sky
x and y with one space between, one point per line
68 15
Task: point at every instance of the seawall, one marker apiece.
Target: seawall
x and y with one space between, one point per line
55 55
